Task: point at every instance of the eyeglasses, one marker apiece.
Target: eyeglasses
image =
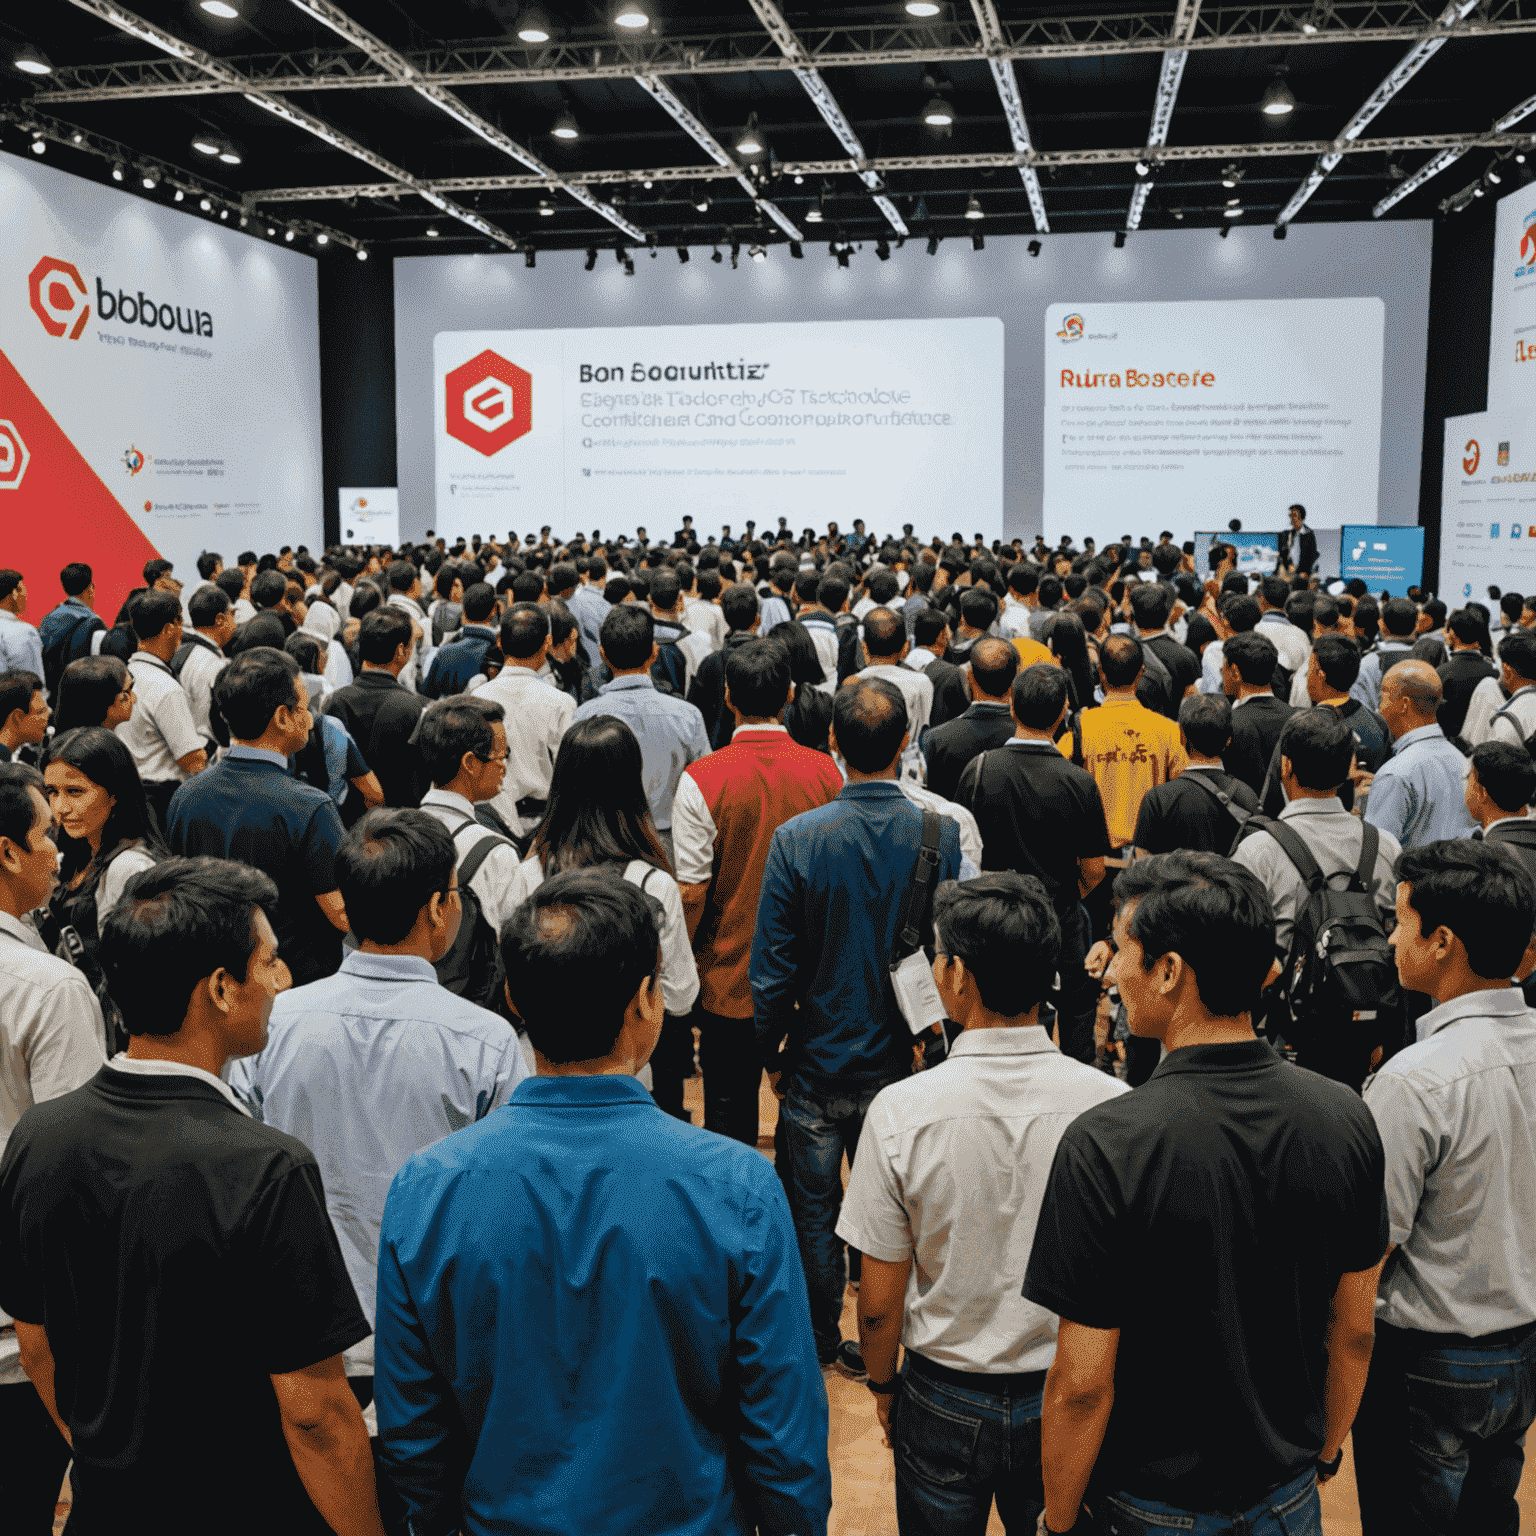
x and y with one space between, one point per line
495 757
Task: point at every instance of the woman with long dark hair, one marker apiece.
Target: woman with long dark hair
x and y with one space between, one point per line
808 715
94 691
599 818
1069 644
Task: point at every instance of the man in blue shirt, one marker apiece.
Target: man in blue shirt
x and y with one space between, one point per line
670 730
591 1316
1418 793
378 1061
250 807
589 607
464 656
827 917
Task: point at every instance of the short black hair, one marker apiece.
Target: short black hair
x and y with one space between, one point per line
1254 655
524 627
230 581
1320 748
1005 928
382 633
1213 913
884 633
527 587
208 563
978 607
1274 590
1481 892
581 934
18 812
153 611
757 677
75 578
452 727
1399 616
206 604
1121 660
665 590
832 592
479 601
387 868
175 925
250 689
869 717
1240 611
1206 720
1151 603
1505 771
1038 693
882 585
305 649
17 687
1518 652
928 624
1338 659
269 588
740 606
562 578
402 576
994 665
1023 578
628 636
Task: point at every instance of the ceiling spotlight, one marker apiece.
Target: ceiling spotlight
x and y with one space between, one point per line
717 256
1142 168
883 248
244 220
796 250
813 214
289 233
799 181
229 155
1281 230
565 127
271 230
39 146
1033 247
701 202
204 204
206 144
938 113
978 240
1231 175
973 208
1277 100
751 140
1233 210
591 257
220 8
1178 213
924 10
117 166
362 255
1520 158
1119 239
322 238
758 253
546 209
431 232
1477 191
77 137
933 245
181 197
150 178
530 258
1492 177
224 214
533 26
631 15
31 60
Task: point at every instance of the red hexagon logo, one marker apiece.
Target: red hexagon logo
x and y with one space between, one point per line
14 457
59 306
489 403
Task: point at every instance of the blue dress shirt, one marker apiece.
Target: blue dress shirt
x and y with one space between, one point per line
368 1067
589 608
592 1318
670 731
1418 794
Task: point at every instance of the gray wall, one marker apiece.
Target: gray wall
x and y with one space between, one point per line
1391 260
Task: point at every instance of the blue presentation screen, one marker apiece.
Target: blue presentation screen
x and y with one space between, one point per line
1258 554
1385 559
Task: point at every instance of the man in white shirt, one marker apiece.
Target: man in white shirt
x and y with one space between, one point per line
942 1203
701 612
1504 708
1292 643
51 1041
21 648
201 653
405 592
161 733
885 643
1020 604
537 712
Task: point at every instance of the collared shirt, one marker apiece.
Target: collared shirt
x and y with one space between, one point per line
589 608
774 611
161 729
538 714
1418 793
821 626
203 664
558 1217
20 645
1013 623
495 882
1182 815
915 688
1367 686
1127 748
705 619
1457 1115
366 1068
410 674
948 748
381 717
670 731
1492 717
155 1067
1292 643
951 1172
1333 837
926 799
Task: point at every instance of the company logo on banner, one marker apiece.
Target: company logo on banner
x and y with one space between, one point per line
1474 457
58 297
1071 328
489 403
134 460
14 457
1528 245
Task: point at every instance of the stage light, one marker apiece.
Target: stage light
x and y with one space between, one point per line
362 254
973 208
117 166
933 245
289 233
701 202
883 248
271 230
1178 213
224 214
1492 177
591 257
1520 157
220 8
322 238
77 137
181 197
717 256
751 140
244 220
1281 230
796 250
1119 239
799 181
923 9
205 204
1143 169
1277 100
431 232
978 240
565 127
1230 176
813 214
530 258
229 155
533 27
938 113
758 253
1233 210
150 178
545 210
206 144
1033 247
631 16
31 60
39 146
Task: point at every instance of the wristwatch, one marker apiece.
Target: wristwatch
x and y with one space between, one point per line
883 1388
1327 1469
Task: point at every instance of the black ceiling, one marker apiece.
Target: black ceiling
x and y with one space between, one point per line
1072 104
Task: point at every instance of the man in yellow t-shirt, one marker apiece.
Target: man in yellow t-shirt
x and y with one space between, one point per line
1127 747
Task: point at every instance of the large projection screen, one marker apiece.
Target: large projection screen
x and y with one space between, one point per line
1379 270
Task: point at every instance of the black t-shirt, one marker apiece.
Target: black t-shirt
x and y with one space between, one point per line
1183 814
1038 814
179 1254
949 747
1209 1217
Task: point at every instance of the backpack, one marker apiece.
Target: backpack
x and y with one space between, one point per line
1339 981
472 967
1238 814
1507 713
60 649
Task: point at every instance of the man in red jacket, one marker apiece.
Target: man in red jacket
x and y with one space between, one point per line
727 808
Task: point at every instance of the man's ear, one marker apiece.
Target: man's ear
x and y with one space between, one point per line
10 856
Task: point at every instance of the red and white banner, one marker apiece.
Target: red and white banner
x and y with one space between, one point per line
159 387
1512 336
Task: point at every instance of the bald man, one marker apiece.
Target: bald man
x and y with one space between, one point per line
1418 794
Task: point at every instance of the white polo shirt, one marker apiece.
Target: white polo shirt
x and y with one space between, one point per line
161 729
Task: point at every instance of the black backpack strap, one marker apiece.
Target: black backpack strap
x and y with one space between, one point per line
470 867
645 879
1370 846
1294 849
1209 785
1077 740
925 874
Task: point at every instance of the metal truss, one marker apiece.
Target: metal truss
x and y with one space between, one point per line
1267 25
1407 67
380 54
1448 157
825 103
1169 78
1013 106
184 53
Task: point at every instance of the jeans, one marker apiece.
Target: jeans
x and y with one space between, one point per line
818 1129
733 1072
33 1456
956 1450
1289 1511
1440 1439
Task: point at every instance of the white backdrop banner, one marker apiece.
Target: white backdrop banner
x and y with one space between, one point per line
159 386
1181 416
1512 336
370 514
1488 507
892 421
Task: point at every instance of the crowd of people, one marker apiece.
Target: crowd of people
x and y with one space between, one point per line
1152 944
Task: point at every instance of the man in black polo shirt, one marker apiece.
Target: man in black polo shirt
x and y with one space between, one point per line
1211 1242
1189 812
986 724
181 1299
250 807
380 712
1041 815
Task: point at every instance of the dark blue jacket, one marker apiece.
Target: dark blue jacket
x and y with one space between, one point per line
458 662
826 925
